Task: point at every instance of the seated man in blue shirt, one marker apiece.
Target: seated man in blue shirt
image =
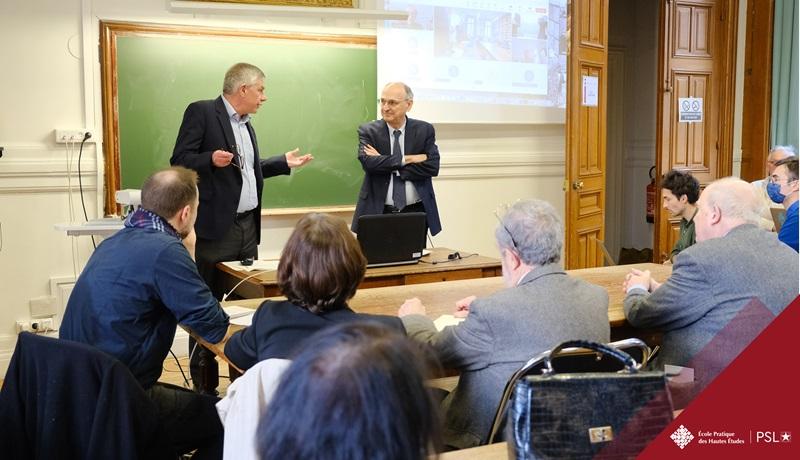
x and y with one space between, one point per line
783 188
137 286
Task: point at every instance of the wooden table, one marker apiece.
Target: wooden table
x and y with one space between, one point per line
439 298
475 266
497 451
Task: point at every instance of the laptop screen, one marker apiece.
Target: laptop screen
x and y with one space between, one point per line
392 239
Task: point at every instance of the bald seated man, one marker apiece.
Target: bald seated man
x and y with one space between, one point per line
733 262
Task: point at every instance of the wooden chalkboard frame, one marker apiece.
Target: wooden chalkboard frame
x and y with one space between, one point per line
111 30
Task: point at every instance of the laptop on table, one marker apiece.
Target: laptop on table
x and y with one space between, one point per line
392 239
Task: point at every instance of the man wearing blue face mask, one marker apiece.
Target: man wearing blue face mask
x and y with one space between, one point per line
776 154
783 189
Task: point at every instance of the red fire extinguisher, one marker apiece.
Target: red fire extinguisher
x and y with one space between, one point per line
651 196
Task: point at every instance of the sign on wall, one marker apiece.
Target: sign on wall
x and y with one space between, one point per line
690 109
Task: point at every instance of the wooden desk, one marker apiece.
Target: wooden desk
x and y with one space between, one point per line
497 451
265 284
439 298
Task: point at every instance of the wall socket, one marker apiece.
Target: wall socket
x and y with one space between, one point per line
37 326
64 136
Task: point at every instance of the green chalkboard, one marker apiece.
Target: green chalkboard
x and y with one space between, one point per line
318 93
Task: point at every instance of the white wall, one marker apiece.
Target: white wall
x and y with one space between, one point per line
47 83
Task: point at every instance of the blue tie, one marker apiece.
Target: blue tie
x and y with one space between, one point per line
398 186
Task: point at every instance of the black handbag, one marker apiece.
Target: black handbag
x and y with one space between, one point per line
587 415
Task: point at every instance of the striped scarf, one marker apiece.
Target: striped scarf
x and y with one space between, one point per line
142 218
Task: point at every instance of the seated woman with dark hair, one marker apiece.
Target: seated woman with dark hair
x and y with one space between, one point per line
319 271
354 392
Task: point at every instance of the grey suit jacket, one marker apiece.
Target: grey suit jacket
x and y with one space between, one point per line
710 282
500 334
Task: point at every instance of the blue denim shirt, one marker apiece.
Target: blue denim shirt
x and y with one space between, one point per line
137 286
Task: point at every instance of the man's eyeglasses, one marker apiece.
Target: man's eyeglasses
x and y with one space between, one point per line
499 213
390 102
237 159
777 180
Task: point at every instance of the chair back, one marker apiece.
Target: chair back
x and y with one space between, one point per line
570 360
606 255
64 399
246 400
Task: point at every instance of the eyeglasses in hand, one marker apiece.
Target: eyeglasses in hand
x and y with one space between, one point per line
237 159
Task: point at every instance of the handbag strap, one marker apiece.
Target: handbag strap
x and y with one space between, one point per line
624 358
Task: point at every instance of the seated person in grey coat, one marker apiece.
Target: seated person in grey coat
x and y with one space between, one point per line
733 262
541 307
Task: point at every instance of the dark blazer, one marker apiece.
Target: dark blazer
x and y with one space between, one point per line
64 399
279 328
205 128
420 137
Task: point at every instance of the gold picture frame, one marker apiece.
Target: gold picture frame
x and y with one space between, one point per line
314 3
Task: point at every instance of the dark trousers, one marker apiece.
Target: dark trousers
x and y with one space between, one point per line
239 243
189 420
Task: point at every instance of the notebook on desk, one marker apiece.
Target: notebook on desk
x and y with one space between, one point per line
392 239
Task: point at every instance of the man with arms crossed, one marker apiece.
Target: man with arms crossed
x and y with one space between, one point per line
541 307
137 286
399 156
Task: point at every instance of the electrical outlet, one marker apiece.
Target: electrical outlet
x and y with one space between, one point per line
42 325
37 326
64 136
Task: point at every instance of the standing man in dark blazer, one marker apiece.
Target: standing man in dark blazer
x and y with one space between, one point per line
399 157
217 140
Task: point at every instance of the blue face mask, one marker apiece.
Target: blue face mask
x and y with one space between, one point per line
774 192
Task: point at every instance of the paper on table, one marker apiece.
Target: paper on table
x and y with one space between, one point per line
240 315
258 265
447 320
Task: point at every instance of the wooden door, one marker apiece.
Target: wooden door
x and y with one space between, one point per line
586 133
757 91
697 59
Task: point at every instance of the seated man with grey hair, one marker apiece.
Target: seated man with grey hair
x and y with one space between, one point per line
732 263
541 307
776 154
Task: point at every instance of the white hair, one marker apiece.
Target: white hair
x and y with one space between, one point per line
532 229
735 198
788 150
241 74
406 88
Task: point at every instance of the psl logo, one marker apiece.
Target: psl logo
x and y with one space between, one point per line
773 437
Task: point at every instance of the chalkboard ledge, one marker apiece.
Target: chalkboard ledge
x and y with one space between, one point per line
301 211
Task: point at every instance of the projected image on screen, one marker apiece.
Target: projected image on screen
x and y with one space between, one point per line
479 55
